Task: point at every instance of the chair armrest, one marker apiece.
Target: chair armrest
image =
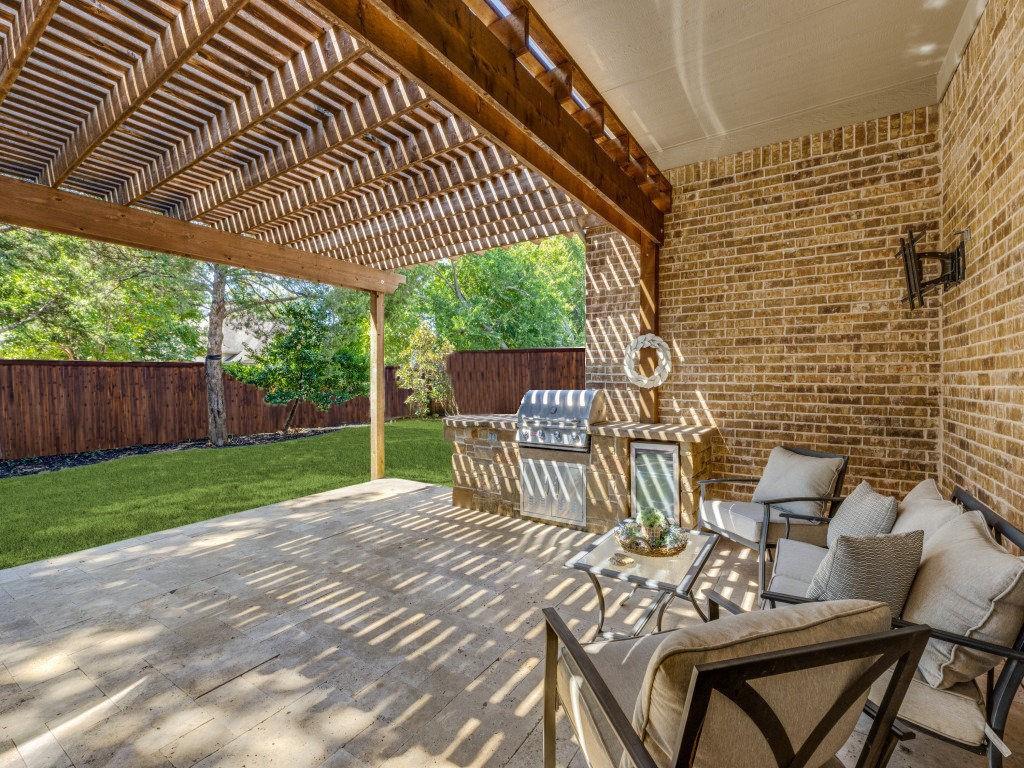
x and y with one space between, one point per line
716 601
814 519
723 480
776 502
937 634
638 754
967 642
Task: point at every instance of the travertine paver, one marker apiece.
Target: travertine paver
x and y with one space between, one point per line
370 626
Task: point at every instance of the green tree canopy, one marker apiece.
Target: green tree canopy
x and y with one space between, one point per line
316 355
63 297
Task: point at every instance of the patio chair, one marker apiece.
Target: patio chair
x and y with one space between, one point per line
794 499
960 714
782 688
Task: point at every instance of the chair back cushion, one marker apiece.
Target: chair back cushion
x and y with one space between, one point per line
969 585
869 568
788 474
799 699
924 509
865 512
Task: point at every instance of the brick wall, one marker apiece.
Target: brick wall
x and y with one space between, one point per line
982 436
780 299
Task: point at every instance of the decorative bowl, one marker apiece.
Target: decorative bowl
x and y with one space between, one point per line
631 537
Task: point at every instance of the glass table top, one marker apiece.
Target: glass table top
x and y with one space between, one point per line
675 573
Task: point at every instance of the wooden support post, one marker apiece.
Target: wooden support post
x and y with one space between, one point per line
376 385
648 285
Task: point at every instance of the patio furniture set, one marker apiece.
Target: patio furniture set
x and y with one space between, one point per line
909 611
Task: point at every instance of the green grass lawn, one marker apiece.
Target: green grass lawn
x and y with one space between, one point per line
57 512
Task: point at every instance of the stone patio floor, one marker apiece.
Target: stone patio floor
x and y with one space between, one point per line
374 625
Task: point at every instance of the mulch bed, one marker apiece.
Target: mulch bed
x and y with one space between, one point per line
35 465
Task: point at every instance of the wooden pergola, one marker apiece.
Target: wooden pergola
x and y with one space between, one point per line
329 140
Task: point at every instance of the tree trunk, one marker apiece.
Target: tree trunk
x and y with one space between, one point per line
291 415
215 408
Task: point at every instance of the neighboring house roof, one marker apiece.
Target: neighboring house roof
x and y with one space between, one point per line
240 342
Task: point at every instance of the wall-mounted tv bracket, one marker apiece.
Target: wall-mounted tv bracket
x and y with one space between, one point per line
952 263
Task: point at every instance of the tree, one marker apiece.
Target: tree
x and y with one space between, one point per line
315 356
63 297
528 295
424 371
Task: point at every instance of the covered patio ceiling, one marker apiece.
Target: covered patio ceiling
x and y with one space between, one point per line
328 139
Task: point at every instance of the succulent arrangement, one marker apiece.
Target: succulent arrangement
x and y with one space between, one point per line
650 533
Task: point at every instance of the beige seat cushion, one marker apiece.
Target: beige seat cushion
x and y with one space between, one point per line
957 713
924 509
969 585
795 565
729 738
621 664
744 519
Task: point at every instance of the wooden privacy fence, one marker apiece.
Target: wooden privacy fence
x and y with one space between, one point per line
494 382
54 407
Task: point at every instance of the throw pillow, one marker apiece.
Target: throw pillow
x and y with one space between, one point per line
865 512
878 568
969 585
788 475
925 509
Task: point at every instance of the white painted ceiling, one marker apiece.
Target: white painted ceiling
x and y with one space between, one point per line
695 79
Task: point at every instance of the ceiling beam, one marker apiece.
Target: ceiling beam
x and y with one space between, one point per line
389 261
27 28
317 62
371 111
446 47
41 207
464 208
485 223
432 141
198 21
373 200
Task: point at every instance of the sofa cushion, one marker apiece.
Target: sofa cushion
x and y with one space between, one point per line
865 512
744 519
969 585
795 565
788 474
799 699
958 713
924 509
869 568
621 664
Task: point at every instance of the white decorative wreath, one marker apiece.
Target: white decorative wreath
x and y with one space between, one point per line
647 341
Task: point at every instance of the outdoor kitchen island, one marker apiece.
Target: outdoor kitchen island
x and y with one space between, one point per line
486 466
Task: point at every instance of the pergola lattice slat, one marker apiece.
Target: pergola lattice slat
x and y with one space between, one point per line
199 21
29 24
300 74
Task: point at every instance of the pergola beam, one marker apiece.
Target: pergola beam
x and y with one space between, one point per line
26 29
369 113
445 46
316 63
369 201
199 21
436 140
42 207
512 237
455 222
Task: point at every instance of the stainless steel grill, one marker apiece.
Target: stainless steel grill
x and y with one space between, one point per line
559 418
553 432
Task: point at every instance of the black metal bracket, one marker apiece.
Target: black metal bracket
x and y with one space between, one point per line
953 267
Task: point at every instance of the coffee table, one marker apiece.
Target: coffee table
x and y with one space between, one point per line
671 577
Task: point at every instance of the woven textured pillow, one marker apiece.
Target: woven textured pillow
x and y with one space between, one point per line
865 512
969 585
878 568
789 475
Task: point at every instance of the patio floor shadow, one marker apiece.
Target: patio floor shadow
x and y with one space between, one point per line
374 625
